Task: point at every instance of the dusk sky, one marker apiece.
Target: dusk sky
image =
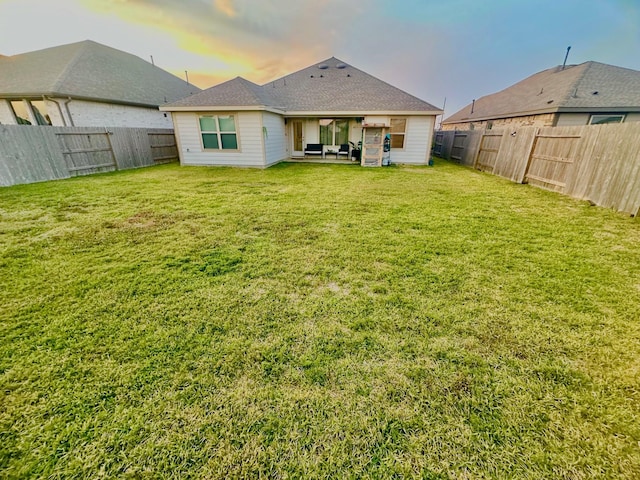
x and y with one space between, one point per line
458 49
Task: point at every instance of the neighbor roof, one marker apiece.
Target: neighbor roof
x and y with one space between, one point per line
587 87
90 71
328 86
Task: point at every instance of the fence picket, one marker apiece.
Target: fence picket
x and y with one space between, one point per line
600 163
38 153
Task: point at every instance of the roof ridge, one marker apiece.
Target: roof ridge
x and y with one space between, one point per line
251 88
574 86
70 64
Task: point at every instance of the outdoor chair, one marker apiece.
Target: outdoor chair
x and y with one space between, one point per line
344 150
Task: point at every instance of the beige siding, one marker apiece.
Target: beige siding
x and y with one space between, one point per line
311 131
250 154
274 138
355 132
417 142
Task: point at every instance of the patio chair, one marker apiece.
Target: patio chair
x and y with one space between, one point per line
344 150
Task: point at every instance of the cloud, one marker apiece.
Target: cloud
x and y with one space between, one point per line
226 7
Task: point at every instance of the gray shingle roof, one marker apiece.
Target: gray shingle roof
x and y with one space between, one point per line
557 90
90 70
328 86
237 92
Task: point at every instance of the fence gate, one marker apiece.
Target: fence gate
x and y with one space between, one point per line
87 152
488 151
551 158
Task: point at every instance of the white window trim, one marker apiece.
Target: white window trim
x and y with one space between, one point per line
404 134
219 132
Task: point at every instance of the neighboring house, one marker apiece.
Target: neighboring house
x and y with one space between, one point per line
86 84
589 93
244 124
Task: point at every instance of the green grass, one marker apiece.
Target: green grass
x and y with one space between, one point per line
312 321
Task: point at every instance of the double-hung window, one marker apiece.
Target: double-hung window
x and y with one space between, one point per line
398 131
218 132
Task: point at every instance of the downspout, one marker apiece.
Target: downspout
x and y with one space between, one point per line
64 120
66 109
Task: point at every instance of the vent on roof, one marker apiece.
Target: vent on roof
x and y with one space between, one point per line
323 66
341 65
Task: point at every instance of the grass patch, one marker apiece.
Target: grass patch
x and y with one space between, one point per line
312 321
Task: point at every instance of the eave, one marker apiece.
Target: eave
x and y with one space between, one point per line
226 108
40 95
361 113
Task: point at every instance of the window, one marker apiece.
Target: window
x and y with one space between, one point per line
20 112
398 131
334 131
602 119
38 108
40 112
218 132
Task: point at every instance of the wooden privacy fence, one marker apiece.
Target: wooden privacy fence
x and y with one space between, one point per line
31 154
599 163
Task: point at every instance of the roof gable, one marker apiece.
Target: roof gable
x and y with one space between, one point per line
92 71
558 89
328 86
237 92
333 85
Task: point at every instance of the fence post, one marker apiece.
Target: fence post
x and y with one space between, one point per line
477 152
113 154
530 156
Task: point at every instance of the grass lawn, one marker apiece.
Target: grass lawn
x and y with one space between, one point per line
316 321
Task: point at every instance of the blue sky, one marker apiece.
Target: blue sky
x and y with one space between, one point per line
458 49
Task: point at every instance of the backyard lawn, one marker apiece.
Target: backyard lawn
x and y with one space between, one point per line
316 321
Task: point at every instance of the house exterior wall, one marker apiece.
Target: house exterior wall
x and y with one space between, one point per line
93 114
572 119
250 140
417 141
96 114
275 139
311 131
52 110
542 120
6 115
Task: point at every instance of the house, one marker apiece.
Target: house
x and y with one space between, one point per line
86 84
314 111
589 93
